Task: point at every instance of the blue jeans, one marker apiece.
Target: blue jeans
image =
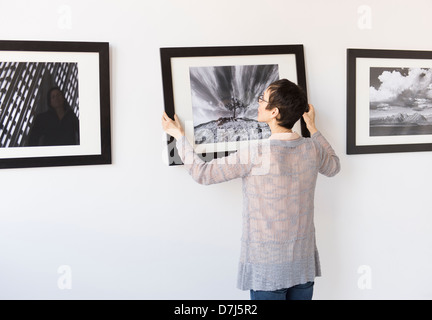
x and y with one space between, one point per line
299 292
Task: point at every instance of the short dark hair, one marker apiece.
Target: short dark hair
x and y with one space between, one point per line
290 99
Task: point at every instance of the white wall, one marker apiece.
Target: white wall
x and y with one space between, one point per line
138 229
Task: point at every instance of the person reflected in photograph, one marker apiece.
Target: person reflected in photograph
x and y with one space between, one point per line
58 126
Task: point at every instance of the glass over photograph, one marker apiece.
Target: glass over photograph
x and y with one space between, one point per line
225 102
400 101
39 104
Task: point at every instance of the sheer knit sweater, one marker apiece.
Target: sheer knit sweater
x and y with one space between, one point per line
278 247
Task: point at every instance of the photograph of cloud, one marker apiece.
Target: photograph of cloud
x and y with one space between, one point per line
400 101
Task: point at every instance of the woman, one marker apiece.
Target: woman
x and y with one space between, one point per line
279 259
58 126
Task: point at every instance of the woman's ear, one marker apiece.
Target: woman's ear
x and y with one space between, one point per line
275 112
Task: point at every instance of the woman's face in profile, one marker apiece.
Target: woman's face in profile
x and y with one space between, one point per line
57 99
263 113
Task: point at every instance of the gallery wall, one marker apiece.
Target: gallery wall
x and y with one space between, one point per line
138 229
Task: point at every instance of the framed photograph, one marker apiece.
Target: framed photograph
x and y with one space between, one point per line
54 104
214 91
389 107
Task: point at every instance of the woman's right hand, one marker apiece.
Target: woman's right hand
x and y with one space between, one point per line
172 127
309 118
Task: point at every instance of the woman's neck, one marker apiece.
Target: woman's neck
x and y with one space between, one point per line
60 112
274 128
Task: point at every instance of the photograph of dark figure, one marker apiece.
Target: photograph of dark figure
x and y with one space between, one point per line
58 126
39 104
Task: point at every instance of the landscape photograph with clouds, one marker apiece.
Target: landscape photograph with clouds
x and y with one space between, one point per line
400 101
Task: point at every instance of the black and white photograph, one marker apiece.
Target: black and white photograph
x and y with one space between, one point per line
400 101
389 101
214 91
54 104
224 102
39 104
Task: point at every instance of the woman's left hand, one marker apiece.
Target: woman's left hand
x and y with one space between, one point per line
172 127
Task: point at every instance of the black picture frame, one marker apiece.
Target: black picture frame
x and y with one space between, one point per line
385 135
169 54
89 89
